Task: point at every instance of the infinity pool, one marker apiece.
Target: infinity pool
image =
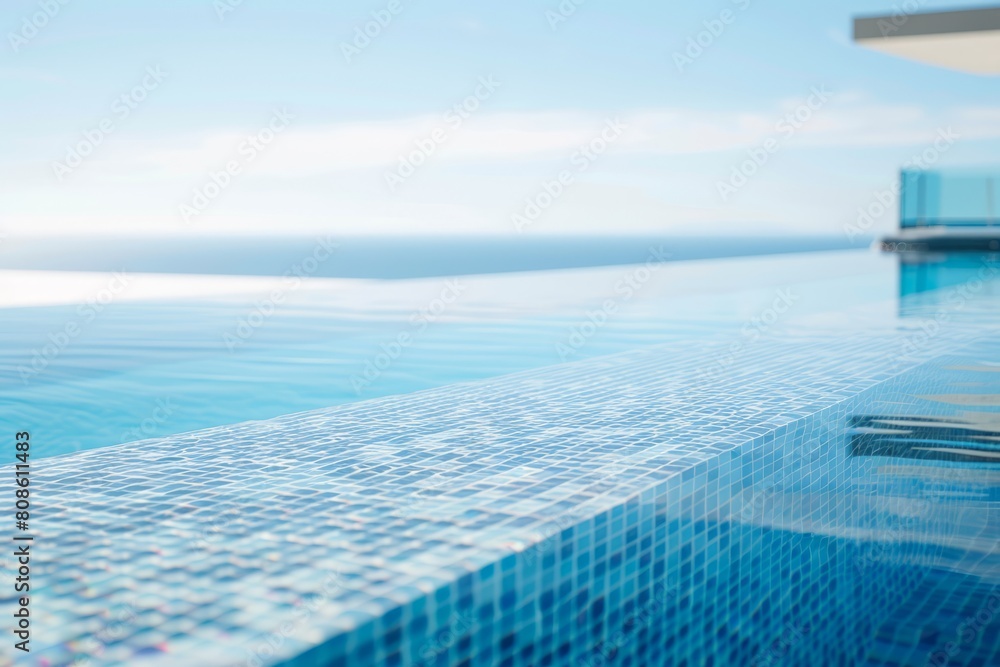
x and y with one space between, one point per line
265 347
759 461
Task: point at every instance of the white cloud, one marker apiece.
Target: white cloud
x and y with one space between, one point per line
504 137
662 174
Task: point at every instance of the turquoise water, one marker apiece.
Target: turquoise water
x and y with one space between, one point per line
149 369
385 257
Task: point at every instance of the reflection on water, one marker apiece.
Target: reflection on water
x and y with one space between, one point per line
941 287
957 275
973 438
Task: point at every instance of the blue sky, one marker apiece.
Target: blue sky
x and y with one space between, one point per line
248 117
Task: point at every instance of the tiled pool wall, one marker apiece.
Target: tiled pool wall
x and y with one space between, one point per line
661 579
782 551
